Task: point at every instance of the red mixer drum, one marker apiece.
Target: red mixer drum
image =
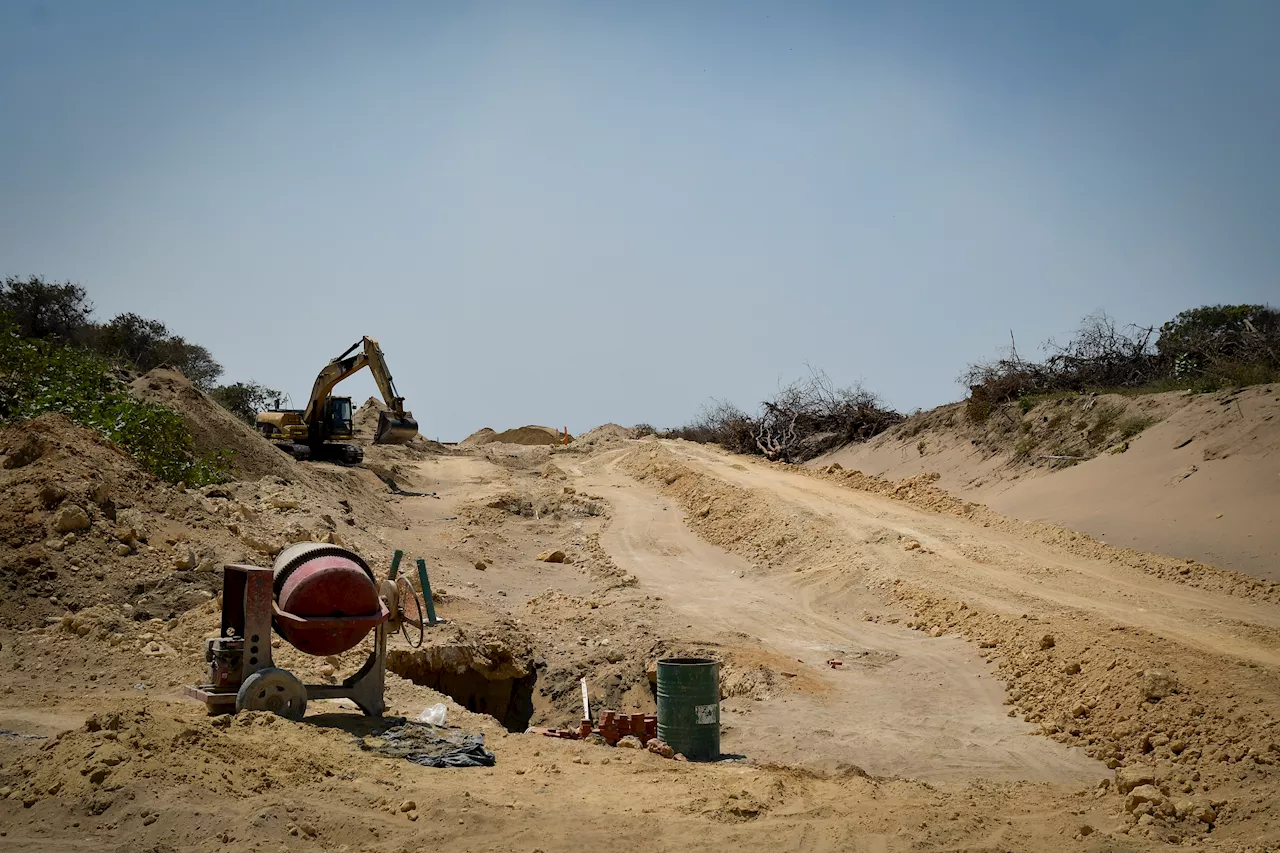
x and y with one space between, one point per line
326 596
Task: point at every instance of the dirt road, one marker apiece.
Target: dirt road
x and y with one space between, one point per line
899 704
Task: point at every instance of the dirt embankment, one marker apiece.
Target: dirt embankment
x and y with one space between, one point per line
84 525
214 430
1194 719
1192 476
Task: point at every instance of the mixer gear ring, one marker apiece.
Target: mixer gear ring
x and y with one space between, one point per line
404 594
273 689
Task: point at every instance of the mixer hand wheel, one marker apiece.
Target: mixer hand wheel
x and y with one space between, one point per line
409 603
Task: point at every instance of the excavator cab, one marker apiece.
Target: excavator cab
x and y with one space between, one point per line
338 418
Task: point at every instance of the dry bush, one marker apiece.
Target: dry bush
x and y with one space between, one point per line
806 418
1202 349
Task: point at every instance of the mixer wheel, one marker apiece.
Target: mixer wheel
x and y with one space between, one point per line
412 613
273 689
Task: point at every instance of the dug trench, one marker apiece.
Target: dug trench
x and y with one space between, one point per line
503 689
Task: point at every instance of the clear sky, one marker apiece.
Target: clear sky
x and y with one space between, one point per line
573 213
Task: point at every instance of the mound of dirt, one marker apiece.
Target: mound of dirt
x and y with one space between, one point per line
213 428
602 436
607 431
365 427
527 435
84 525
480 436
365 420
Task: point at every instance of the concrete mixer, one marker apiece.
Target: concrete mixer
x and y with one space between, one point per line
323 600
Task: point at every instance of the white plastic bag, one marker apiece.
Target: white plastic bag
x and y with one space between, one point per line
433 715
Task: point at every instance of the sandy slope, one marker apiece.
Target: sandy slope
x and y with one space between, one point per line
976 733
1203 483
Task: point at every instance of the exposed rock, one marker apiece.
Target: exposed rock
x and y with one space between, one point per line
481 565
265 547
1195 810
51 495
71 518
1046 642
552 556
630 742
657 747
1128 778
1143 794
184 558
1156 684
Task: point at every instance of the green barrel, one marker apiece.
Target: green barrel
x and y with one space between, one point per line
689 707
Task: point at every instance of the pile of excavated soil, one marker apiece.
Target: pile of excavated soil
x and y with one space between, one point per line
607 431
214 429
85 525
528 435
601 437
365 420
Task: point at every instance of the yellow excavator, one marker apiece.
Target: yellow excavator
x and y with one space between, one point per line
321 430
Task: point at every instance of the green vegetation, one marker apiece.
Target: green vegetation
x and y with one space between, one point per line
62 312
1202 350
39 376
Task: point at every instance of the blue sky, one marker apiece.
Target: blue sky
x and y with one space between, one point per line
572 213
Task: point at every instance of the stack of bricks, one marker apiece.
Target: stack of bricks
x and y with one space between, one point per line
613 727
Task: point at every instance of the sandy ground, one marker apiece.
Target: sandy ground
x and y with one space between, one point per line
999 682
1201 483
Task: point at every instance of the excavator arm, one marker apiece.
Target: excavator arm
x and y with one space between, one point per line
395 426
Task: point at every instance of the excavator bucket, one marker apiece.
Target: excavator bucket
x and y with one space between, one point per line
394 430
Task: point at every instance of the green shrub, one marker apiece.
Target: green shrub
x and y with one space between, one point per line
39 376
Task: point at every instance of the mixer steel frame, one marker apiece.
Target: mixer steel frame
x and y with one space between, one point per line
243 647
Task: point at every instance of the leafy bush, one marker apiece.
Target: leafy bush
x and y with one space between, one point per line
146 344
39 376
41 309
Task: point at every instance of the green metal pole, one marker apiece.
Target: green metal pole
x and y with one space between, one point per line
426 592
395 564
